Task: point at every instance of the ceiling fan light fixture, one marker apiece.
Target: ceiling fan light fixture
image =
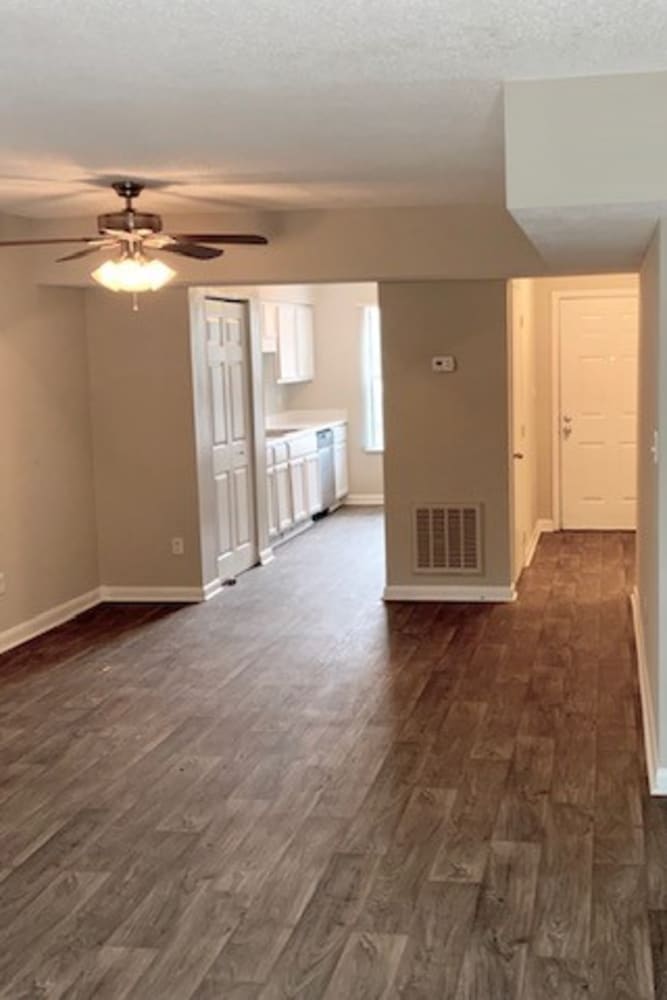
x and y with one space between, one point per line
136 273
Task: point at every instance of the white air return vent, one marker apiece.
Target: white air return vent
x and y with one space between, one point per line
448 538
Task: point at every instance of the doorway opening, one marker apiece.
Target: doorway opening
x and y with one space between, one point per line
287 386
573 412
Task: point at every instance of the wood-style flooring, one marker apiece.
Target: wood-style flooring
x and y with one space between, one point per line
295 791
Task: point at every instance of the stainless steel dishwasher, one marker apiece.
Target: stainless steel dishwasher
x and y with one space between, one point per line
325 452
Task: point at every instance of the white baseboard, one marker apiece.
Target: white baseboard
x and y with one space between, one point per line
543 525
468 594
292 533
154 595
211 589
364 500
47 620
657 776
62 613
266 556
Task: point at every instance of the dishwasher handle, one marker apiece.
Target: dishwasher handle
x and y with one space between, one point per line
325 438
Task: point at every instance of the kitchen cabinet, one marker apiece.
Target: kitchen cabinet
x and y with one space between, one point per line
279 491
312 483
302 451
297 469
340 461
305 346
283 498
271 498
295 343
293 479
269 321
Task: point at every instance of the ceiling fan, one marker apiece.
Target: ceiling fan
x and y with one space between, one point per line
132 233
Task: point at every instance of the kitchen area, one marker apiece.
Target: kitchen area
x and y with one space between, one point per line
287 386
306 449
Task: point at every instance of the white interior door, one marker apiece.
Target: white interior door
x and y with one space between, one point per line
520 423
598 412
227 357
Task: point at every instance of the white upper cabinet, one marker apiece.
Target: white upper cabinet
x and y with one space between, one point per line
305 348
269 319
287 329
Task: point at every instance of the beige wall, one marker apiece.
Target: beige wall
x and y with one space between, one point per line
542 294
143 432
446 436
338 375
653 327
464 241
48 550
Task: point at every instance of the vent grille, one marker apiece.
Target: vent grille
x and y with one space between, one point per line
448 538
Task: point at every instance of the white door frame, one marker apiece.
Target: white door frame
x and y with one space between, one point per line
557 297
203 431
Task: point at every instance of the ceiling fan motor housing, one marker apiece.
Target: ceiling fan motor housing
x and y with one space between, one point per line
129 221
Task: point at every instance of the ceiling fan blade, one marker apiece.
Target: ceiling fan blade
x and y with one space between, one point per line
43 243
243 238
191 250
84 253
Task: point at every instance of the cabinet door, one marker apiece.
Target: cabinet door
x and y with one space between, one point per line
271 502
313 491
305 343
283 497
269 314
340 469
297 470
288 359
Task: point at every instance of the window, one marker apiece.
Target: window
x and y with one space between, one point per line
372 369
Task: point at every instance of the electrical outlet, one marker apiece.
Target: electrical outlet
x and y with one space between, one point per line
177 547
443 363
3 584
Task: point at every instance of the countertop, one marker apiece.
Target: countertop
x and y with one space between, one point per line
294 423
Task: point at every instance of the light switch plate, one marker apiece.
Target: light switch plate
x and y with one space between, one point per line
443 363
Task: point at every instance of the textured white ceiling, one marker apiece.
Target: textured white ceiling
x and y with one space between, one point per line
279 103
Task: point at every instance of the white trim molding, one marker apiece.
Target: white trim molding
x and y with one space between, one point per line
155 595
657 776
542 526
47 620
211 589
364 500
468 594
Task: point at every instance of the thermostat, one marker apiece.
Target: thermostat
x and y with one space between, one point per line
443 363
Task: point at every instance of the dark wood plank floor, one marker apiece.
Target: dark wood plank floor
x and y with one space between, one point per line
293 791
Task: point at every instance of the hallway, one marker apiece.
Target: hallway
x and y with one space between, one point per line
297 791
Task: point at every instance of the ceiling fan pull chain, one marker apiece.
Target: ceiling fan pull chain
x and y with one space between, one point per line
135 302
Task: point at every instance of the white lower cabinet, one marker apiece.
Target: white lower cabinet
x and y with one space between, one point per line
297 474
293 480
271 501
283 497
312 483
